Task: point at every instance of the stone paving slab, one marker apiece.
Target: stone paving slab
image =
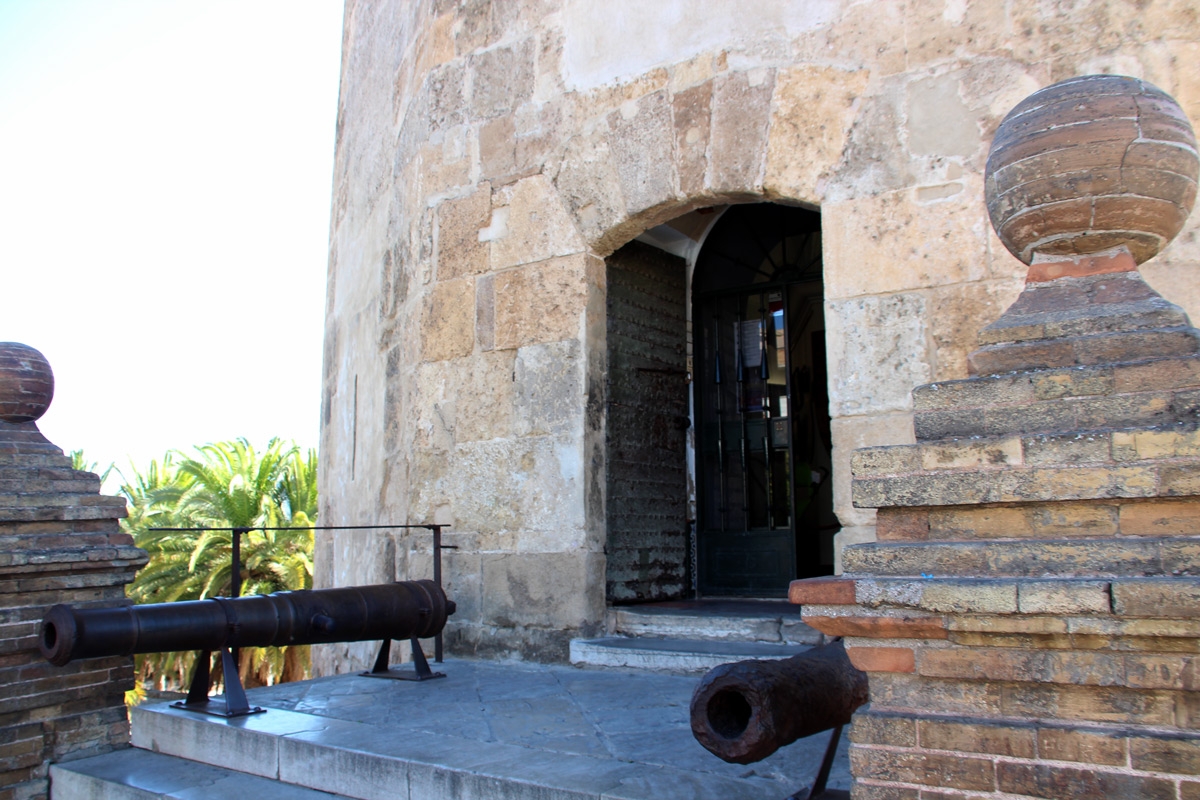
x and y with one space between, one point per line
487 730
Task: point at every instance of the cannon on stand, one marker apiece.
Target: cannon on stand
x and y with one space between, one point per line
745 711
403 610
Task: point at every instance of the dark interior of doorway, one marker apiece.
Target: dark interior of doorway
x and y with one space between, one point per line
764 500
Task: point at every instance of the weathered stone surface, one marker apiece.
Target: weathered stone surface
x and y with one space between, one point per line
541 302
876 345
449 320
740 119
640 137
529 224
459 249
811 115
692 115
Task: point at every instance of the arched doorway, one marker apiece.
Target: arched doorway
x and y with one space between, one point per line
764 499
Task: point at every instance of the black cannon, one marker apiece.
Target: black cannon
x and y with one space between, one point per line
745 711
402 610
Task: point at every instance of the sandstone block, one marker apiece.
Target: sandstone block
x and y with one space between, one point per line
812 113
930 769
541 589
909 246
1063 597
501 79
448 324
990 522
590 187
542 302
1180 756
967 455
876 345
692 117
740 120
547 381
977 737
975 392
1164 598
894 460
459 250
887 729
882 659
1043 780
903 524
529 224
1091 747
1161 518
640 137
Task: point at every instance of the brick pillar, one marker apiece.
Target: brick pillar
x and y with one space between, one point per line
60 542
1030 614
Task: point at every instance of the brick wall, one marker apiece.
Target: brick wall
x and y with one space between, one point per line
60 542
1030 615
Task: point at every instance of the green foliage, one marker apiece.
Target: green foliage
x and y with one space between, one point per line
224 485
79 461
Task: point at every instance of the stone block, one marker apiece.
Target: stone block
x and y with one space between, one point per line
975 392
902 524
882 659
1090 747
969 455
925 768
811 116
879 627
1063 598
1067 448
547 383
590 187
977 737
459 250
822 591
529 223
641 136
539 303
991 522
908 246
893 460
448 326
692 116
1044 780
877 352
740 119
892 730
542 589
874 161
482 406
1086 518
1164 598
1160 518
501 79
956 313
852 433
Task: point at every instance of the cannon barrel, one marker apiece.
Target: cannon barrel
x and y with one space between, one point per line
743 712
399 610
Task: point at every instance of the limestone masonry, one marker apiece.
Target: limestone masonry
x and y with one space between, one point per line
494 342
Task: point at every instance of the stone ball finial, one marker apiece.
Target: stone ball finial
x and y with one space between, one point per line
26 383
1090 164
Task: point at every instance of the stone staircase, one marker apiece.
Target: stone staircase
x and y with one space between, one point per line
488 730
695 636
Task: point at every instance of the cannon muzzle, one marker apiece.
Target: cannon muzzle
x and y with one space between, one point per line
401 610
745 711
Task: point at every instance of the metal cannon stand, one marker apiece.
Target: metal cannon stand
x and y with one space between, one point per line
818 791
234 702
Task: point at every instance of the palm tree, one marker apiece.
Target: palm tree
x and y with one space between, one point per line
227 485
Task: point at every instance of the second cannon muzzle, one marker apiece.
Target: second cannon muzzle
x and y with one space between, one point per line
745 711
400 610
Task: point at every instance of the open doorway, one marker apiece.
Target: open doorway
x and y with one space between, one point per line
764 495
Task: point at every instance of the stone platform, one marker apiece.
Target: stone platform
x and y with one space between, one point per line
487 730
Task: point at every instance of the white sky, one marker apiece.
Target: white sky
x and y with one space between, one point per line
165 174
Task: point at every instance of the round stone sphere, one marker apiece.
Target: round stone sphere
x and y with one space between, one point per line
26 383
1090 164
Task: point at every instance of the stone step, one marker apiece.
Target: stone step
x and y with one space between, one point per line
728 622
673 655
136 774
521 732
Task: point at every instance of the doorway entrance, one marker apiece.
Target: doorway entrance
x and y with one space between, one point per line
764 499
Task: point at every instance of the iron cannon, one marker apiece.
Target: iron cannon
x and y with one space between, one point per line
401 610
410 610
745 711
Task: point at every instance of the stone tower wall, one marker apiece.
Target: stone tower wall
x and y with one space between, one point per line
490 155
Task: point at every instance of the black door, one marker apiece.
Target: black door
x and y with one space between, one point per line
764 498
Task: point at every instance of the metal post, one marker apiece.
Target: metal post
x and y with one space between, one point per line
437 578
